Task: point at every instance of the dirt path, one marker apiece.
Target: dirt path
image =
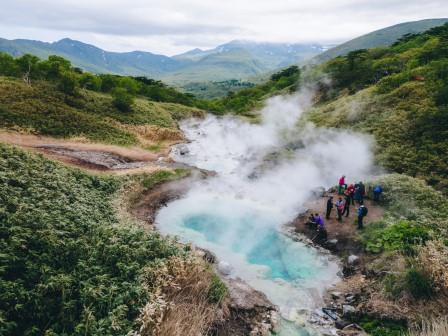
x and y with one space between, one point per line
345 232
89 156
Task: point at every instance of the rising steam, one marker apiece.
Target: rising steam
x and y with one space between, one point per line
265 174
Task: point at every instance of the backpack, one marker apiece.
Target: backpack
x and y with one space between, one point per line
365 211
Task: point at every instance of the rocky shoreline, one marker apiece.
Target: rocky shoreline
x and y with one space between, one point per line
250 312
344 301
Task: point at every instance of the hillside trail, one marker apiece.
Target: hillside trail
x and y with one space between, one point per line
93 157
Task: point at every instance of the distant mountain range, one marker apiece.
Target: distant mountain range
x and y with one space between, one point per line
380 38
233 60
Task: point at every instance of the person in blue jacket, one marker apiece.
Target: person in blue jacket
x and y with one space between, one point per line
377 190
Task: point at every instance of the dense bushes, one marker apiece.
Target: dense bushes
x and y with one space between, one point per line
409 241
66 265
122 100
243 102
401 236
59 70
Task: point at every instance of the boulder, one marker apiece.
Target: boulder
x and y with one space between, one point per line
224 268
353 260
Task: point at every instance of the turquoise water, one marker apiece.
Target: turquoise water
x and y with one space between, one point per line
238 215
291 274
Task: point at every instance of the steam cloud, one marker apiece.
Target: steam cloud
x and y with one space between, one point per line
235 149
265 174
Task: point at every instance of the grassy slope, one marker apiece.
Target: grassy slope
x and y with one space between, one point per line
66 265
380 38
43 109
377 92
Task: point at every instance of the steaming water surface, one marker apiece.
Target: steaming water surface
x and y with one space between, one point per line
238 214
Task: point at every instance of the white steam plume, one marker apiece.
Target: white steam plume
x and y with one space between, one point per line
234 213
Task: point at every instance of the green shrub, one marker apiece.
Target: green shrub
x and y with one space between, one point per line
217 290
394 285
400 236
122 99
384 327
418 284
67 266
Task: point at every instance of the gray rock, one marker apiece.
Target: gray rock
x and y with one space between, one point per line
224 268
336 295
348 310
353 260
350 298
183 149
244 297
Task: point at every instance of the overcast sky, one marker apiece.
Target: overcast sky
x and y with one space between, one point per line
173 26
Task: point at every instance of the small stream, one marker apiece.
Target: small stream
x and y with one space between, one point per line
239 213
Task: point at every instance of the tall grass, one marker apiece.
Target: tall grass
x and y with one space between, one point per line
435 327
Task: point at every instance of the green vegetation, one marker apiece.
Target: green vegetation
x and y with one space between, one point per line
150 181
419 284
122 99
245 101
416 215
214 89
67 266
383 327
217 290
380 38
42 109
401 236
398 95
60 71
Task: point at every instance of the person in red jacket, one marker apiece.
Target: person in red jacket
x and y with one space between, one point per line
342 185
351 191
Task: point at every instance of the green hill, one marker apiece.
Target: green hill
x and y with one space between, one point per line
397 93
50 97
380 38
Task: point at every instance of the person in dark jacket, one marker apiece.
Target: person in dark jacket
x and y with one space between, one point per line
329 207
362 212
362 191
348 200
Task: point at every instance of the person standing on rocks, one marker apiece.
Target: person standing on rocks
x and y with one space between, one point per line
340 205
321 231
342 185
348 200
362 212
351 191
329 207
